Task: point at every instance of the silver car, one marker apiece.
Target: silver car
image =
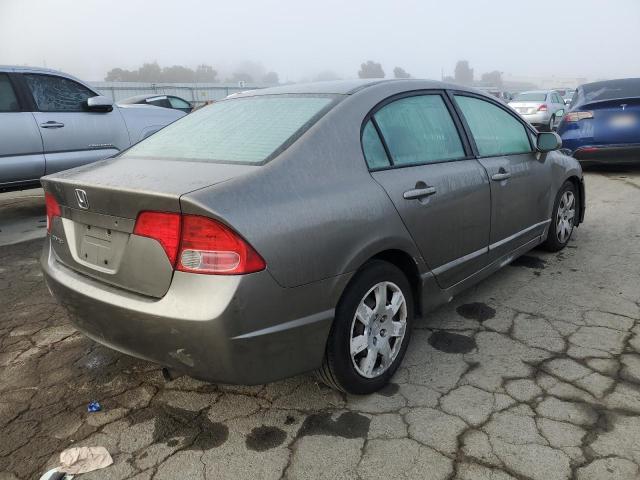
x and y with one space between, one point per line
51 121
304 227
541 108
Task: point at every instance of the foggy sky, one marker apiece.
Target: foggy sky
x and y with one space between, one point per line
298 38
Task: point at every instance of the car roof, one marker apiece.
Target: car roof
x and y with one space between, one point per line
144 96
27 69
614 81
348 87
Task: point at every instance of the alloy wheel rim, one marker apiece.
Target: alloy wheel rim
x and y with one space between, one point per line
565 216
378 329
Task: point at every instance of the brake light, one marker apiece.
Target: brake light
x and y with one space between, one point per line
199 244
53 209
542 108
208 246
163 227
577 116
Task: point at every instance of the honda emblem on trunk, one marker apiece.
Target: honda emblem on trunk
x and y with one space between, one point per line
83 201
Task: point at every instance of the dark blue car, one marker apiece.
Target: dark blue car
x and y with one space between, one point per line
603 122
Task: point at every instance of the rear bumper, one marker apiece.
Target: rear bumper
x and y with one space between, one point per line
232 329
608 154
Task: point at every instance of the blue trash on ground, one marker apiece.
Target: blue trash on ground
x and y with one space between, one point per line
94 407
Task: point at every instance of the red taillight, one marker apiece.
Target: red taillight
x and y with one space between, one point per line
208 246
542 108
53 209
577 116
163 227
199 244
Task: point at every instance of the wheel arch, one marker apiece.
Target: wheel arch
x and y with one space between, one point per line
406 263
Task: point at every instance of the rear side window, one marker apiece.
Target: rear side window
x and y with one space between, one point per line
241 130
8 99
178 103
495 131
159 102
372 147
57 94
419 129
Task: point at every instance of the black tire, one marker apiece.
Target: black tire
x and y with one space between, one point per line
552 122
554 242
338 370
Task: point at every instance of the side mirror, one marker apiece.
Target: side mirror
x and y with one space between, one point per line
548 142
99 103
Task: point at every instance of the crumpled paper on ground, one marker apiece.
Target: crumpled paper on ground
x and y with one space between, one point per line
84 459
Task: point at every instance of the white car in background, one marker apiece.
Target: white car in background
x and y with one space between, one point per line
541 108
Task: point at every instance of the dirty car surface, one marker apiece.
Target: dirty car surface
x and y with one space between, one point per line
303 227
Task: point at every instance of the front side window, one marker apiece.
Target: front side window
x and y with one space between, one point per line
241 130
495 131
57 94
419 129
8 99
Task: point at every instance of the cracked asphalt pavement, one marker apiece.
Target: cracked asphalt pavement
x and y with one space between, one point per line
533 374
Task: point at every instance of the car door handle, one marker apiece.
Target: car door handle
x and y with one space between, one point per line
497 177
418 193
51 124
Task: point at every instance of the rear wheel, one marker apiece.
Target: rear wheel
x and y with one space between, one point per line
563 219
370 332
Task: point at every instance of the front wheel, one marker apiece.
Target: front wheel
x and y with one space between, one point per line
563 218
370 332
552 122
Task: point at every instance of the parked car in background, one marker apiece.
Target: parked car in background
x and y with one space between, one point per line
303 227
165 101
498 93
602 124
567 95
541 108
51 121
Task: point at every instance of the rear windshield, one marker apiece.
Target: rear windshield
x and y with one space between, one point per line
610 90
247 130
530 97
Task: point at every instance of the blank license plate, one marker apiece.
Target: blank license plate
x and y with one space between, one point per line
95 247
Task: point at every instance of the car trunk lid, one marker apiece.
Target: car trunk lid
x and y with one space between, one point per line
615 121
525 108
99 205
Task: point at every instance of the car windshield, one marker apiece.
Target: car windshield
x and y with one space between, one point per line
530 97
241 130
